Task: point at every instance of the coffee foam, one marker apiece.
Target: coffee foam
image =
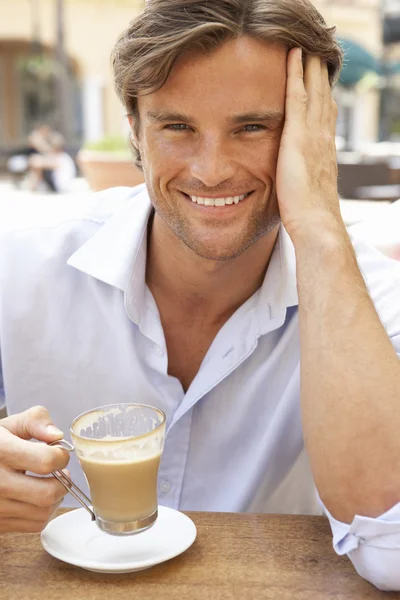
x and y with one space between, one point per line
112 450
120 457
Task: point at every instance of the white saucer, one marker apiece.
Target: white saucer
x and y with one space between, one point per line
75 539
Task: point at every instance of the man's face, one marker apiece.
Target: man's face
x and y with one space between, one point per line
209 141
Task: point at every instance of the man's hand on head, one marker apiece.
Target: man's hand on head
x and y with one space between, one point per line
307 167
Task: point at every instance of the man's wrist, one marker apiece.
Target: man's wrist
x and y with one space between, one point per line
319 232
325 261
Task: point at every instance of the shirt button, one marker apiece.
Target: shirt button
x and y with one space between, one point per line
159 351
165 487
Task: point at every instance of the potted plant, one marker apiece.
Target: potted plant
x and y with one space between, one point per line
108 162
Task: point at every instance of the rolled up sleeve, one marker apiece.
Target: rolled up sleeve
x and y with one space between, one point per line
373 546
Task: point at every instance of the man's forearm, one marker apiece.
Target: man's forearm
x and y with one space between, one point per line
350 380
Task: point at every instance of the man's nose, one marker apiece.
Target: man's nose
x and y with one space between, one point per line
212 163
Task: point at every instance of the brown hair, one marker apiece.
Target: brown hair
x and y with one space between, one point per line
144 54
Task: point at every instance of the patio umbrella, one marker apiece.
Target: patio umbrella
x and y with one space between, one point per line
358 61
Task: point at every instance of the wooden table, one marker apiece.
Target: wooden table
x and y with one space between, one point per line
235 556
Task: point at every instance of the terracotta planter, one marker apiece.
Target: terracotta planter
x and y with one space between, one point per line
104 170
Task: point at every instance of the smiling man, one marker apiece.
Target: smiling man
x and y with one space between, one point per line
213 166
226 291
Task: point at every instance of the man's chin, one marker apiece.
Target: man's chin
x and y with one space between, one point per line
217 252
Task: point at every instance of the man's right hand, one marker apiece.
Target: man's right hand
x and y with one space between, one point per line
27 502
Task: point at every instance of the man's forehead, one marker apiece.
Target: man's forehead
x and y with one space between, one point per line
227 80
242 63
243 51
235 80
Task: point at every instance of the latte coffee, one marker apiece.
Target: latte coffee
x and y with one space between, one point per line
123 491
119 448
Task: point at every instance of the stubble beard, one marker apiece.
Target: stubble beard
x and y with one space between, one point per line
259 225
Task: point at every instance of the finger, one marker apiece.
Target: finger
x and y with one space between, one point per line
331 109
327 91
33 423
315 89
54 510
41 491
22 455
21 526
334 116
14 509
296 96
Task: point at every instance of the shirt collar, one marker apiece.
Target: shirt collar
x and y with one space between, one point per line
114 251
279 289
116 255
288 267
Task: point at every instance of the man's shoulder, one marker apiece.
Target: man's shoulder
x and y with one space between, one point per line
382 277
375 240
49 212
375 265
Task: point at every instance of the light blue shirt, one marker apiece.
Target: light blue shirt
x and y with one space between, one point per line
79 328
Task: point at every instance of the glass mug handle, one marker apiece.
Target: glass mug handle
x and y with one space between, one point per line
69 485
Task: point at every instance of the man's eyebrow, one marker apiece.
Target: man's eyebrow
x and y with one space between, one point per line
268 116
163 116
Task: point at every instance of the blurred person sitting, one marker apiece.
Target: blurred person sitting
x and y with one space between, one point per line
40 139
54 170
38 142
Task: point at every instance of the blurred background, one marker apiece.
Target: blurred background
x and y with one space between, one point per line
55 77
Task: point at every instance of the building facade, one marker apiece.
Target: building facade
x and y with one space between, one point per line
28 71
28 44
359 22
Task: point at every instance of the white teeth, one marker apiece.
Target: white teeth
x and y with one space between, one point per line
217 201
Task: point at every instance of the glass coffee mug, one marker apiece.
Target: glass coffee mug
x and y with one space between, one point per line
119 448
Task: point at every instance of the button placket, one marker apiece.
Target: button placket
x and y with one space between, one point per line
173 464
165 487
159 351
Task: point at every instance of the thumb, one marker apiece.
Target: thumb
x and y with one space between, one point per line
33 423
296 94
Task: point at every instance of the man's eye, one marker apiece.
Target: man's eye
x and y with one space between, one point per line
177 127
254 128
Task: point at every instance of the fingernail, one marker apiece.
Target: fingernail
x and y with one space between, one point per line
54 430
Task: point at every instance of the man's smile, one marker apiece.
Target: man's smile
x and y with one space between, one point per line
217 202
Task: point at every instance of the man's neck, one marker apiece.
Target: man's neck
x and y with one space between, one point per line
179 277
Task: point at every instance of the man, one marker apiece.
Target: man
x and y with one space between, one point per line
55 168
186 296
38 143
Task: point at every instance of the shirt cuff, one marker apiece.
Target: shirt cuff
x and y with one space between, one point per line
373 546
